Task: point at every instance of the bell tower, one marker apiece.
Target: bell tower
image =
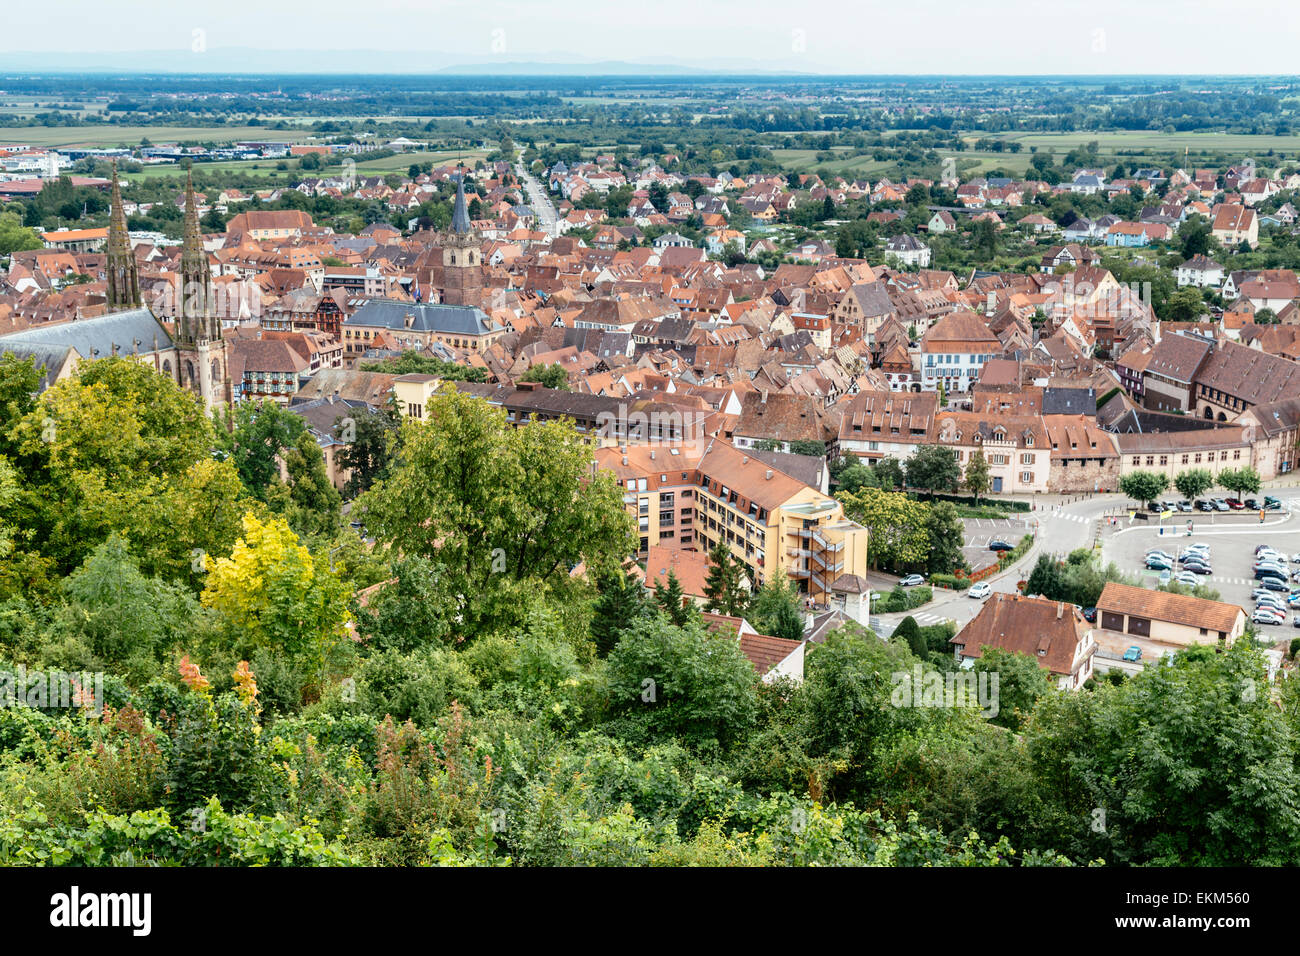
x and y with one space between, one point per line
462 257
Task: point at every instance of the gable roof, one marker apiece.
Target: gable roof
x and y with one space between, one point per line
1048 631
1166 606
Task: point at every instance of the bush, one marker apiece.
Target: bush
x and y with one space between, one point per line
902 599
950 581
1295 646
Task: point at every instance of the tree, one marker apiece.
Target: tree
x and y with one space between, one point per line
1185 305
978 481
308 499
775 609
262 431
672 599
682 682
909 632
1194 482
1239 480
933 468
898 537
856 477
620 604
946 534
368 455
15 237
548 376
274 594
889 472
1021 682
723 587
505 514
409 612
1046 579
1143 486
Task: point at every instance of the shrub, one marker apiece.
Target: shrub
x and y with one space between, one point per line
950 581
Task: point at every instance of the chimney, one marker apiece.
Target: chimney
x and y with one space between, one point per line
652 454
768 476
1060 609
745 460
625 461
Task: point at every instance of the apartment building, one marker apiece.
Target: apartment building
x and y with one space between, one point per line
954 351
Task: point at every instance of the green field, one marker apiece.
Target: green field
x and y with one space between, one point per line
1134 144
266 168
106 136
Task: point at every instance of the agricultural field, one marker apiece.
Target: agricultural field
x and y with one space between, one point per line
108 136
1134 144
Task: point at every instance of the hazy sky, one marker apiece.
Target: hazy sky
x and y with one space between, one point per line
902 36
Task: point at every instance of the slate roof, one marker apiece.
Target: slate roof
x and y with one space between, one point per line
95 338
428 317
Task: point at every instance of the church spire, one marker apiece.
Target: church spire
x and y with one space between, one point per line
123 282
195 318
460 215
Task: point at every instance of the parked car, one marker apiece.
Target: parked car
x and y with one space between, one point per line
980 590
1251 504
1090 614
1271 503
1234 503
912 580
1166 576
1198 568
996 545
1264 615
1133 654
1153 507
1157 553
1219 504
1184 505
1186 577
1271 571
1202 505
1275 584
1159 564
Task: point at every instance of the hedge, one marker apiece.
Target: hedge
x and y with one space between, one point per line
950 581
970 500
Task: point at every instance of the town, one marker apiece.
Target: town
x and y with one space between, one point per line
492 406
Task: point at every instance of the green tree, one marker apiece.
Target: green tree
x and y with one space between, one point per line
621 602
889 472
505 514
1046 579
308 499
683 682
1193 483
548 376
933 468
1143 486
1240 481
15 237
723 587
856 477
670 596
945 535
977 478
262 431
368 455
776 609
909 633
898 537
1021 682
1185 305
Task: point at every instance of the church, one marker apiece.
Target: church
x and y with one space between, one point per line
196 356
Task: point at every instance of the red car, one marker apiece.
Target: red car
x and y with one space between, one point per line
1235 504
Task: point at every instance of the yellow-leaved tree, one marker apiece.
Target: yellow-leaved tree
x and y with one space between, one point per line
272 593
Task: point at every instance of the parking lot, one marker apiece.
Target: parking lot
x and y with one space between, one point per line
1232 538
980 531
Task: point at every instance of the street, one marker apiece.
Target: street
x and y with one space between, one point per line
538 200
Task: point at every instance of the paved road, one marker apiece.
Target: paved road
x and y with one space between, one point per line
1063 525
539 201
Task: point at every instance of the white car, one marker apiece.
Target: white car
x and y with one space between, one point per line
980 590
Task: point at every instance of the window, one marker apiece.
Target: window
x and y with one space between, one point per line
1027 477
1026 459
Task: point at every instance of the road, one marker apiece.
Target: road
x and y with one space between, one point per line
1064 523
539 201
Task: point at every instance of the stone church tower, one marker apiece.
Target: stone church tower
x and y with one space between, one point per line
123 281
202 354
462 258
